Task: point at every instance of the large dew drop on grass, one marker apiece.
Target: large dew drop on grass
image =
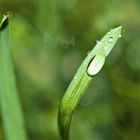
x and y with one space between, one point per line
96 65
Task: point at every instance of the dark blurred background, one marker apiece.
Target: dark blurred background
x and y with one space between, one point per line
50 38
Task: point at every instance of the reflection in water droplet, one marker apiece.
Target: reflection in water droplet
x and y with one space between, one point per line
110 40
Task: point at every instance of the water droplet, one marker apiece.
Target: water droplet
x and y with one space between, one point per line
120 36
85 63
96 65
98 42
75 77
110 40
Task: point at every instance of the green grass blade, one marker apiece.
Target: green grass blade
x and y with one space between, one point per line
9 102
91 65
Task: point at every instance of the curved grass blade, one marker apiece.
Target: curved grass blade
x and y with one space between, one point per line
91 65
9 102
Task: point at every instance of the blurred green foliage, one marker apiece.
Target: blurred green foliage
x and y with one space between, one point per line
50 38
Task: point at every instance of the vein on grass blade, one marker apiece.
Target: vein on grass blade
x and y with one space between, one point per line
91 65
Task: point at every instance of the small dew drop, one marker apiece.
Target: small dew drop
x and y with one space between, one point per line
110 40
75 77
98 42
120 36
85 63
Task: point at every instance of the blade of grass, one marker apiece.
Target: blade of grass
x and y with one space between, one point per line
91 65
11 111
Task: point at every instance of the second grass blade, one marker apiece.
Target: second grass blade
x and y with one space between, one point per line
91 65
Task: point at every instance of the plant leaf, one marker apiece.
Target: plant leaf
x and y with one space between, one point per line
91 65
11 110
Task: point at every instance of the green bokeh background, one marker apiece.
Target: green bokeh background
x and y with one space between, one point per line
50 38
